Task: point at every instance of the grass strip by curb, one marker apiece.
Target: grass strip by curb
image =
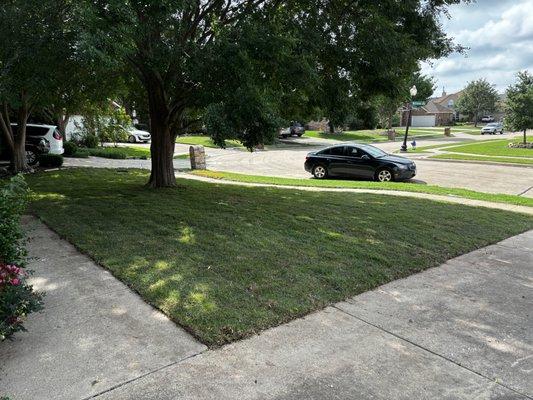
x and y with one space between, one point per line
346 184
465 157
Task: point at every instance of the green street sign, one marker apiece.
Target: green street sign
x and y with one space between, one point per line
418 103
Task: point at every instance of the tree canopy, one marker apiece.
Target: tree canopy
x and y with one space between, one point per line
519 104
479 97
246 66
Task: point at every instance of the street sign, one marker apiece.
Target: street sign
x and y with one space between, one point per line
418 103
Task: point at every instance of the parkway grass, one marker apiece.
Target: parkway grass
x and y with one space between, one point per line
350 184
226 262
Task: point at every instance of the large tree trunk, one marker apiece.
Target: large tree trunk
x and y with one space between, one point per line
162 150
163 140
18 157
16 142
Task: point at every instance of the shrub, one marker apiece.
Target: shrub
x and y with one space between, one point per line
17 298
90 141
51 160
70 148
82 153
108 152
13 199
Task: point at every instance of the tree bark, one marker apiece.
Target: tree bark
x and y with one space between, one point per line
331 127
62 121
18 157
525 139
162 151
163 141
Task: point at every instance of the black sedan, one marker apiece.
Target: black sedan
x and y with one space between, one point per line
360 161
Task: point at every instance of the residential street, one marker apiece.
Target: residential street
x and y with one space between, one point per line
459 331
288 162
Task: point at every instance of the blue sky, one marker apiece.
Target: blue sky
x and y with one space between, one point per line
499 35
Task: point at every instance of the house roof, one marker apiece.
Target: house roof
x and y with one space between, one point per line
443 100
435 108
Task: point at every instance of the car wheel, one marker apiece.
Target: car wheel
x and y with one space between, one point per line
31 157
482 133
320 172
300 134
501 132
132 139
384 175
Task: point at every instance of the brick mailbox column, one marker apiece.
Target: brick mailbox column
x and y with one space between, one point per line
447 132
391 135
197 155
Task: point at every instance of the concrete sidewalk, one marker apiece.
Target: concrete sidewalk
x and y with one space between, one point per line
463 330
460 331
93 334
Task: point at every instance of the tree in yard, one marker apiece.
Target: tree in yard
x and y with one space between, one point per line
36 47
519 104
372 49
479 97
387 104
230 61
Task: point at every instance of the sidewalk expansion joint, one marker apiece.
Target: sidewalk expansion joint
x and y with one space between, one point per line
432 352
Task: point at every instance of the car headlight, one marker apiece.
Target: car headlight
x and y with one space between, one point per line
402 166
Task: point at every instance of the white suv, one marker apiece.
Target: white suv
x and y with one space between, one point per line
51 136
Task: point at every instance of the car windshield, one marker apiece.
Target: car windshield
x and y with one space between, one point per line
493 124
374 151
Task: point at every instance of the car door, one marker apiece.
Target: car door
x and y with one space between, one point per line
359 163
337 161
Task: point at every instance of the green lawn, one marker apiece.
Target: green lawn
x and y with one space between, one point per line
466 157
205 141
226 262
372 135
349 184
121 152
492 148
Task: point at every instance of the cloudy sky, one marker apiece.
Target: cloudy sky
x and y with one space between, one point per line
499 35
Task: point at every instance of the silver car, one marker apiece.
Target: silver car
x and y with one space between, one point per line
492 129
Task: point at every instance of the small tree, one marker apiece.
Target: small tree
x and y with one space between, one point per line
36 48
477 98
519 104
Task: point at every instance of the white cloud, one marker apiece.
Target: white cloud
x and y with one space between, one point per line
499 35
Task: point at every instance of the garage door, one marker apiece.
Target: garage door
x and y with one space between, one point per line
423 120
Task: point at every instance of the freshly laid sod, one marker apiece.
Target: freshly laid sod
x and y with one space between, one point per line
467 157
349 184
205 141
226 261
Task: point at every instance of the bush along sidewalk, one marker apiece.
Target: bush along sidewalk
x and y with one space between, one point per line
17 298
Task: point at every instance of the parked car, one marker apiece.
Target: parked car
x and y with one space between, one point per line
492 129
41 139
138 136
359 161
487 118
295 129
35 147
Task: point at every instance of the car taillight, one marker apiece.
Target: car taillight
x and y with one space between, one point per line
57 135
